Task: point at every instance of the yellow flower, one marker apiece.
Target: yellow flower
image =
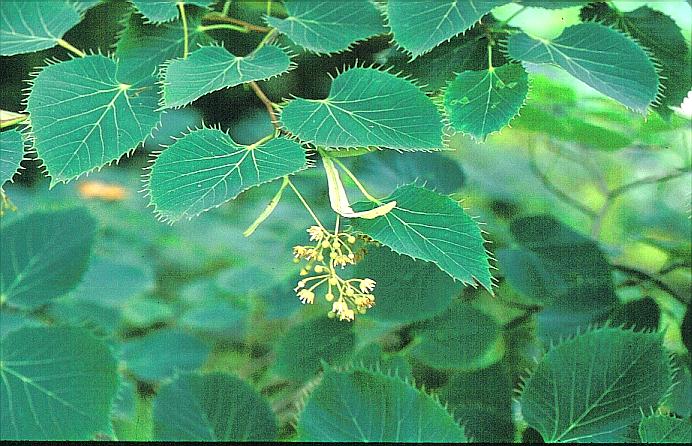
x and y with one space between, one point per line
367 285
316 233
339 307
347 315
306 296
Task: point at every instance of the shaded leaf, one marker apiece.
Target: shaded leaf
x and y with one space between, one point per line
58 384
213 407
665 429
163 353
11 154
462 338
328 27
206 168
434 22
555 4
34 25
44 255
600 57
482 102
593 387
641 314
302 348
83 118
431 227
157 11
212 68
367 108
374 407
407 290
372 357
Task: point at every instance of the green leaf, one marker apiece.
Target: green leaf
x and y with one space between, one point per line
665 429
213 407
34 25
432 227
110 283
206 168
11 154
555 4
83 118
421 25
58 384
212 68
143 47
301 350
44 255
641 314
328 27
157 11
461 338
163 353
600 57
591 388
374 407
482 400
407 290
372 357
663 38
367 108
482 102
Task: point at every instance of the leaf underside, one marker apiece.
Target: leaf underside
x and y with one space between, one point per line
421 25
28 26
367 108
591 388
432 227
482 102
328 27
599 56
374 407
11 154
82 118
212 68
206 168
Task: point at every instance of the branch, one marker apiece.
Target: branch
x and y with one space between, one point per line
649 277
268 104
247 25
650 180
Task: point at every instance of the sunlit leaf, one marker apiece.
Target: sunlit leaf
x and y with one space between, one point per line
212 68
302 348
591 388
29 26
462 338
58 384
11 154
213 407
600 57
431 227
374 407
157 11
206 168
328 27
482 102
367 108
421 25
44 255
83 118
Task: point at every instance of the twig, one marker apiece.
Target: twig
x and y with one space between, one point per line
249 26
650 180
268 104
649 277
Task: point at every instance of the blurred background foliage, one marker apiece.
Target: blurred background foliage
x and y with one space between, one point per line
586 206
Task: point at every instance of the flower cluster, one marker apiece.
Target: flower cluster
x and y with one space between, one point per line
332 251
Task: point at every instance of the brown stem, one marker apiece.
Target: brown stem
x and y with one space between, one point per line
247 25
269 105
649 277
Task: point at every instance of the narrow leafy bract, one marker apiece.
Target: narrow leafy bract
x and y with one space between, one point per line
662 37
143 47
28 26
212 68
206 168
482 102
421 25
83 118
157 11
11 154
328 27
593 387
214 407
58 384
364 406
598 56
665 429
367 108
432 227
44 255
